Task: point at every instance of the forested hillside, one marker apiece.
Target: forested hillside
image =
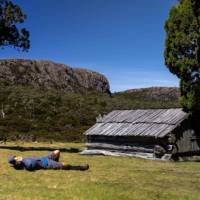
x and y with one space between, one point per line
32 113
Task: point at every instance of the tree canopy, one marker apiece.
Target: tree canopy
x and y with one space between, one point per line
182 50
11 15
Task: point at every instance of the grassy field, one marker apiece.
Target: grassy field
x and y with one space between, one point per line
109 178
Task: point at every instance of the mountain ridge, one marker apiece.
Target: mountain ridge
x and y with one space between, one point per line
153 92
48 74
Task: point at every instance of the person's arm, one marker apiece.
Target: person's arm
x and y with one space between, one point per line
29 164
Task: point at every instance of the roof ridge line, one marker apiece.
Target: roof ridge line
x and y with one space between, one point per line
137 122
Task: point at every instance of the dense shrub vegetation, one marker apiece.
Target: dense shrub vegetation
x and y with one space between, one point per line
182 51
30 113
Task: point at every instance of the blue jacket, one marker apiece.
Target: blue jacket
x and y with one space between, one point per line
32 164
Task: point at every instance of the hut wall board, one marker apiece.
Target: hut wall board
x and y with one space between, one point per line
187 138
188 141
143 144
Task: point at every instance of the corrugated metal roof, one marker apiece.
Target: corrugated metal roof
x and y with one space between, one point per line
141 122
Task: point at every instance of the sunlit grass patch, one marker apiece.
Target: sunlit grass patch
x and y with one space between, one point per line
109 178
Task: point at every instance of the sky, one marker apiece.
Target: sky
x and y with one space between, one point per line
122 39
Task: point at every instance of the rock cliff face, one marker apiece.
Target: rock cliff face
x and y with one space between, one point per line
51 75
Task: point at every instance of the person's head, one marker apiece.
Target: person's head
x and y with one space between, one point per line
16 162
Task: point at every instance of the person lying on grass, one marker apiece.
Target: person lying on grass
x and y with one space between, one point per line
50 161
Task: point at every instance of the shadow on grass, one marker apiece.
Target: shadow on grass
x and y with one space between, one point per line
20 148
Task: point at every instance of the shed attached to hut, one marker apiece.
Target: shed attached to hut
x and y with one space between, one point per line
143 132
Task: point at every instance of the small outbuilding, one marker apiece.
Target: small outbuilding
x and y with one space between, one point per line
148 133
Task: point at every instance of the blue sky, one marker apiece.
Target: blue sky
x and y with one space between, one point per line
123 39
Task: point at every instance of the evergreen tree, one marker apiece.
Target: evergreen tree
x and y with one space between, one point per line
10 35
182 50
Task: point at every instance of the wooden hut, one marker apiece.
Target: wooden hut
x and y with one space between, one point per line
149 132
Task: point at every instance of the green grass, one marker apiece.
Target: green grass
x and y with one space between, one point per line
109 178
